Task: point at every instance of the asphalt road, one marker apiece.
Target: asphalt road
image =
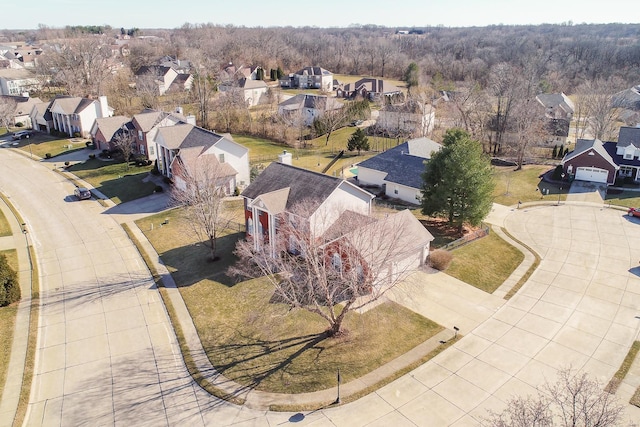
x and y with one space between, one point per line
107 354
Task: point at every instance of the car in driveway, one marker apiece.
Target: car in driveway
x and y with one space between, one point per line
634 212
23 134
82 193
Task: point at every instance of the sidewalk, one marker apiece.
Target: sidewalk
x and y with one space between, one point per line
15 370
262 400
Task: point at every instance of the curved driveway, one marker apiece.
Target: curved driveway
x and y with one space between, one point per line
108 356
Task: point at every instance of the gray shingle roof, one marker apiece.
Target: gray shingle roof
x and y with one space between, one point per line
303 184
628 135
584 145
405 163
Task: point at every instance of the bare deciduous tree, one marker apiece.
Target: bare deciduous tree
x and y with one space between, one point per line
201 193
352 264
125 142
7 111
573 400
80 64
596 102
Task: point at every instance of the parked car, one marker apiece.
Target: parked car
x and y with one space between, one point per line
82 193
634 212
21 134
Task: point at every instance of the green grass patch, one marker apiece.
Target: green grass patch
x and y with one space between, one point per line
524 185
12 258
618 377
5 228
485 263
262 344
260 148
40 145
114 180
629 199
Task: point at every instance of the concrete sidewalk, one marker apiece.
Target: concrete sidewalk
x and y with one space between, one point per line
11 393
435 295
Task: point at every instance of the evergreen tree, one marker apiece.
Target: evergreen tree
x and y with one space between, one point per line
554 153
358 141
458 182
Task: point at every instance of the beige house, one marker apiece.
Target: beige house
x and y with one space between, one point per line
74 115
408 119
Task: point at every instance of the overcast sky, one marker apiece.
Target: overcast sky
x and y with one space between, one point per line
327 13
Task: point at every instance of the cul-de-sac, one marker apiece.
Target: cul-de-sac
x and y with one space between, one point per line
275 220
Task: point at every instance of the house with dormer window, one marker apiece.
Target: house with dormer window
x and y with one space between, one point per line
597 161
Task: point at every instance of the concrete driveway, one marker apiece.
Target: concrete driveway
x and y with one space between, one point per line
107 354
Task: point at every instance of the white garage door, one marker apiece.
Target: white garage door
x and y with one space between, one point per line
592 174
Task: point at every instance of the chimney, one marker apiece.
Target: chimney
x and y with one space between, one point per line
285 158
103 107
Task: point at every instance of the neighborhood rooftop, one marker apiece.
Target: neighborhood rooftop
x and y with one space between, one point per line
303 184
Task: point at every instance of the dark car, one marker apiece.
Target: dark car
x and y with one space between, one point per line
634 212
21 134
82 193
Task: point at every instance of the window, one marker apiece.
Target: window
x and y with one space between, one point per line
141 148
221 157
395 190
626 171
250 226
151 150
628 156
140 135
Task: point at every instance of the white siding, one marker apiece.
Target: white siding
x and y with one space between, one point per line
402 192
368 176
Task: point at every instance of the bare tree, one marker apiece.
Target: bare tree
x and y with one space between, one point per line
350 265
573 400
125 142
528 126
201 191
7 111
148 90
596 100
80 64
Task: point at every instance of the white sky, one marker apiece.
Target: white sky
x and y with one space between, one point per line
327 13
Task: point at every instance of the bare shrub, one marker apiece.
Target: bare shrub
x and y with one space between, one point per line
440 259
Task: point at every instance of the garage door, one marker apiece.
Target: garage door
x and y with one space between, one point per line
592 174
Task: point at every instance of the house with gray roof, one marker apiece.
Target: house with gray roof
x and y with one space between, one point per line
75 115
371 89
305 108
409 119
590 161
253 91
23 107
309 78
398 171
604 162
558 112
281 187
105 129
146 125
186 149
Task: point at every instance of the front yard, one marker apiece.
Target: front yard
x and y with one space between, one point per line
261 343
41 144
114 180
